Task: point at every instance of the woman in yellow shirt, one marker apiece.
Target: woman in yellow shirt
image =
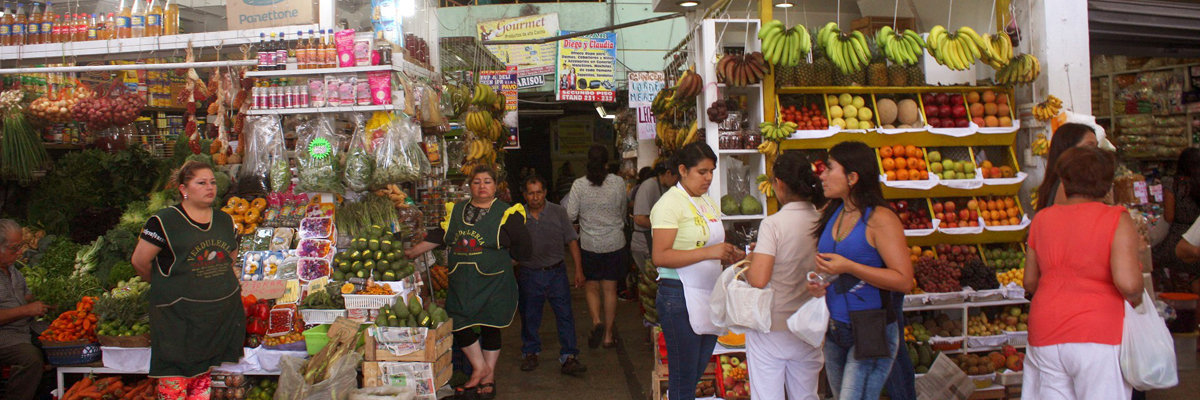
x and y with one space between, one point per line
689 248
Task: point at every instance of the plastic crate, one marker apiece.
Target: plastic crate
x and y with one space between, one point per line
72 353
317 317
369 301
1019 338
316 338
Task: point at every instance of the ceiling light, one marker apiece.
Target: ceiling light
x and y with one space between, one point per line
604 113
784 4
688 3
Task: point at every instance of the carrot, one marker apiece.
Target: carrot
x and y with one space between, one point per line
89 394
78 386
105 382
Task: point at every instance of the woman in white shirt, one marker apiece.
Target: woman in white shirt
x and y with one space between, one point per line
598 201
783 256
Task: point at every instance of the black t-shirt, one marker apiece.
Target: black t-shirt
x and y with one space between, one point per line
153 232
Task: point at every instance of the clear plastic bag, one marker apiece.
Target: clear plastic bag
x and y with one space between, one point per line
342 378
264 148
360 162
318 152
400 158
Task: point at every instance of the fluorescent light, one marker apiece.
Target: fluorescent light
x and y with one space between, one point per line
688 3
604 113
784 4
406 8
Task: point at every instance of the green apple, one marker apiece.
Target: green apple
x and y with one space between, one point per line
948 165
969 166
935 167
845 98
960 167
949 174
935 156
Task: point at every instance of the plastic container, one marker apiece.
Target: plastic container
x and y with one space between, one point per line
369 301
316 338
315 317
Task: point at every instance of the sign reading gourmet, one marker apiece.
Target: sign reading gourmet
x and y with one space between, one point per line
247 14
530 59
585 68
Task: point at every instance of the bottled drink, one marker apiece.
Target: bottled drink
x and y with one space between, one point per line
124 22
93 27
6 25
33 26
137 19
81 24
47 28
270 49
110 27
281 53
154 16
329 50
170 18
62 29
262 51
298 48
18 26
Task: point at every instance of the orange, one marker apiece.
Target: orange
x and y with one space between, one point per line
1013 211
891 175
901 163
915 163
976 109
972 97
1003 214
889 164
924 175
1014 221
914 174
885 152
989 96
991 121
902 175
1008 202
1002 110
989 109
912 151
1002 98
986 165
899 151
991 204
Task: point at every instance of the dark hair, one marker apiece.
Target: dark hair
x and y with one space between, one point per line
855 157
1086 171
645 173
1187 174
1065 138
796 172
691 155
663 167
483 169
187 171
533 178
597 164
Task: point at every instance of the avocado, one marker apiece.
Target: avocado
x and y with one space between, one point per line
411 322
378 255
414 305
356 255
424 320
393 256
383 265
356 266
400 310
369 265
392 320
362 273
366 255
389 276
439 316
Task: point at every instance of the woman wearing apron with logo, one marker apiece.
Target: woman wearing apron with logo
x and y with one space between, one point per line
187 253
862 250
689 248
484 236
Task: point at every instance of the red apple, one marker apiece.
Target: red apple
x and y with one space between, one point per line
960 111
935 122
937 208
962 123
951 217
945 110
974 215
956 99
931 111
964 215
942 99
928 98
949 206
940 216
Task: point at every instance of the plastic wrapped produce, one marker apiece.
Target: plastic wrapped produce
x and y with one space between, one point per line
360 163
317 152
400 158
264 149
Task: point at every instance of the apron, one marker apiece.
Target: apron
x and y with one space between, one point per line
699 279
482 287
196 316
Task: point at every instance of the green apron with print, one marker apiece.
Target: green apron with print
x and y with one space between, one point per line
483 288
196 316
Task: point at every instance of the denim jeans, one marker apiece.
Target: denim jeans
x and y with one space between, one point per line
851 378
687 353
901 382
536 288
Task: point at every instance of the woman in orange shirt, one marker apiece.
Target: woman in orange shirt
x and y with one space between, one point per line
1081 266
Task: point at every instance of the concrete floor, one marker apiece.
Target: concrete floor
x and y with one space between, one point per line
625 372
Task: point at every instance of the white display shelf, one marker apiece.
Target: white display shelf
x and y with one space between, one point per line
737 151
966 305
322 71
227 39
743 217
321 110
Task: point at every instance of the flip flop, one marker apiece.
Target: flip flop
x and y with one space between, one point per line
466 393
596 337
486 396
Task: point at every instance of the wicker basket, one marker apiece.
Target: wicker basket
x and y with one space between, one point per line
125 341
72 353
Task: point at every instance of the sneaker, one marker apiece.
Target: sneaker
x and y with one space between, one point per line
573 367
529 363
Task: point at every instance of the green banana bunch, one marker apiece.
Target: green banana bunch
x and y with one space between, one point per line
956 50
904 48
784 47
776 132
1024 68
848 51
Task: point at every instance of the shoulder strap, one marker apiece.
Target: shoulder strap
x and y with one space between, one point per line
516 209
449 214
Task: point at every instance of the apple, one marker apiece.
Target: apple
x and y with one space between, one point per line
962 123
960 167
935 122
945 110
948 164
937 208
974 215
935 156
950 207
956 99
964 215
949 174
931 111
951 217
942 98
960 111
928 98
940 216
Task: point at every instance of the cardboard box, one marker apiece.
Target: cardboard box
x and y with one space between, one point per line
437 344
247 14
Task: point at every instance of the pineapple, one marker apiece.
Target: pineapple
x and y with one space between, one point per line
806 74
916 75
897 75
785 76
877 73
823 69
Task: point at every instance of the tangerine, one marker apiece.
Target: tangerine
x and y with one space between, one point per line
1008 202
912 151
901 163
899 151
891 175
889 164
885 152
913 174
902 174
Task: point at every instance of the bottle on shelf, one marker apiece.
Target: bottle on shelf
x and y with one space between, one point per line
47 28
93 27
33 28
137 18
270 49
262 51
81 24
170 18
6 22
330 50
281 53
62 28
110 26
154 18
18 26
301 51
124 25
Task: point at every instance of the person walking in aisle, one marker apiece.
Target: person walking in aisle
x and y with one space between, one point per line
863 250
782 259
598 201
1066 137
18 309
661 179
1081 266
688 249
1181 208
544 278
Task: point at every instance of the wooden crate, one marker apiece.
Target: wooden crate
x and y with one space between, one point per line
437 343
869 25
439 372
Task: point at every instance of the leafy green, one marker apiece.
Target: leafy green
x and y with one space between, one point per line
58 260
63 291
93 181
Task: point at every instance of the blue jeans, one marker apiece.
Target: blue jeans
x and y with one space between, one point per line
851 378
687 353
537 287
901 382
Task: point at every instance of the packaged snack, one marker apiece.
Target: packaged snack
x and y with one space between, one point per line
345 47
362 52
332 85
346 91
281 239
362 92
316 92
380 84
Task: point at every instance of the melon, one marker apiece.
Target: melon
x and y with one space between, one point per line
908 113
886 108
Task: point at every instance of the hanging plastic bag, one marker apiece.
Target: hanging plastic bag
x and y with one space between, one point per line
360 163
1147 349
400 158
317 151
742 307
810 321
264 147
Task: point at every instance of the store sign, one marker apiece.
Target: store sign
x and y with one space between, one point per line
585 68
530 81
247 14
643 86
530 59
575 134
506 81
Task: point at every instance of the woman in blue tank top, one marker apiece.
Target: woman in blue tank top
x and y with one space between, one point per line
862 248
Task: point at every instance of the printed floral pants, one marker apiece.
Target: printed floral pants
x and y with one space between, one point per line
180 388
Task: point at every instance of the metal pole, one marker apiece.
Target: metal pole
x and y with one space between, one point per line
128 67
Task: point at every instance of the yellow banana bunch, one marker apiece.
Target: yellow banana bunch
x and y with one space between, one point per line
774 132
848 51
1024 68
903 48
1041 145
670 138
956 50
784 46
768 147
1047 109
996 50
485 96
479 121
764 186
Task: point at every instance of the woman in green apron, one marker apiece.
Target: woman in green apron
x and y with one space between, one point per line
485 235
186 252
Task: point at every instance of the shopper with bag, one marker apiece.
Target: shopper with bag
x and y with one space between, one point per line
781 260
863 250
688 249
1081 266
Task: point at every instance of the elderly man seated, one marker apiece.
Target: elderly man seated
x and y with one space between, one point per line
17 311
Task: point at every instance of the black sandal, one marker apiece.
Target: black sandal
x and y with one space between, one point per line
486 396
466 393
596 337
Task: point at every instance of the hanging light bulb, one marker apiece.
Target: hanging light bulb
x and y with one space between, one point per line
784 4
688 3
406 8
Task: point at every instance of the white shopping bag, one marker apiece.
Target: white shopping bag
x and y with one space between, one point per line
737 305
1147 349
810 321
